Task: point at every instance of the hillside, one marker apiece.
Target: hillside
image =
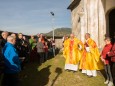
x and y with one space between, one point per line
60 32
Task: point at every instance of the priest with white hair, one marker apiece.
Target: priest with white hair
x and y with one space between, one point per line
73 48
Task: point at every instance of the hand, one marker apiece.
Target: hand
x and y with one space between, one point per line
44 47
103 60
108 52
80 47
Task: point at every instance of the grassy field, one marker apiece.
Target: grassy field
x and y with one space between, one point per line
52 73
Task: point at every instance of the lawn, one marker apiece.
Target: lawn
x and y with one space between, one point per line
52 73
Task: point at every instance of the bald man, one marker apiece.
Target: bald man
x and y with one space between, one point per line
72 52
12 63
90 61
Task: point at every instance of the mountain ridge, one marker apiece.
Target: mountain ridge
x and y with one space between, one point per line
60 32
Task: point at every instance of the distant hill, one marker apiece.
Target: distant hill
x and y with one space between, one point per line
60 32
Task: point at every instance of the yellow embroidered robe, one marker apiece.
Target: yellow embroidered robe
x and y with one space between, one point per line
91 60
71 52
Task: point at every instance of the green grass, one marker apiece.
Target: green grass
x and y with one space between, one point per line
52 73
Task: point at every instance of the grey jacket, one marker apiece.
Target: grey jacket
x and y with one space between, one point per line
40 47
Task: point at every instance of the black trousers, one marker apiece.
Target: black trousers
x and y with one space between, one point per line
41 57
10 80
113 71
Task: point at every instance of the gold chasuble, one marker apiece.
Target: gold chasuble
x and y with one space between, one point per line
72 53
90 60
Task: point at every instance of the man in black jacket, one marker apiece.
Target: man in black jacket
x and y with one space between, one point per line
3 40
21 48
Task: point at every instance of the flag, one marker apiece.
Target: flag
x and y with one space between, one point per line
52 13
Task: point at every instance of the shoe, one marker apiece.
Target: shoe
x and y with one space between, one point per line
84 74
90 76
74 71
106 82
110 83
67 70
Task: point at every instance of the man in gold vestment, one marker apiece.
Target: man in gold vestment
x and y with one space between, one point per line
72 52
90 61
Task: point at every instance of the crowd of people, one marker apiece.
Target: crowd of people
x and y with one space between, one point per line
17 49
87 57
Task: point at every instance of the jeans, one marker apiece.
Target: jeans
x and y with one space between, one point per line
108 72
46 55
53 51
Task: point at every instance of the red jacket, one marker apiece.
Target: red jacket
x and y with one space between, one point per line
112 53
105 51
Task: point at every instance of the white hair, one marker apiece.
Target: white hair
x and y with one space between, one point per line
10 39
88 34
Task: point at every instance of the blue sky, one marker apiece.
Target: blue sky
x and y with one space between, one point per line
33 16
